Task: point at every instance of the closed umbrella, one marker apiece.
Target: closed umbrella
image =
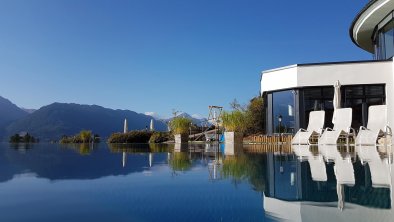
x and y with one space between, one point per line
337 98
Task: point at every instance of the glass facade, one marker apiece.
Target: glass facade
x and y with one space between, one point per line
384 39
283 105
295 105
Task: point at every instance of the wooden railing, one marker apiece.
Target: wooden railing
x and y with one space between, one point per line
264 139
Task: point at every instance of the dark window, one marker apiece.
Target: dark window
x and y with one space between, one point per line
359 98
319 99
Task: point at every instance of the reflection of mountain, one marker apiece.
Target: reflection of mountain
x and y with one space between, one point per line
52 121
56 163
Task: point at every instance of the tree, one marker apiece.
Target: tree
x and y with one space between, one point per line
85 136
235 105
256 116
15 138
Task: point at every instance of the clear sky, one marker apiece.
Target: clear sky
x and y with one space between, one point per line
156 55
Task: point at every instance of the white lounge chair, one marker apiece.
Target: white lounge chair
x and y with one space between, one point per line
377 126
342 127
315 127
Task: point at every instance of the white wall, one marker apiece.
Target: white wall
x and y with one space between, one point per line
327 74
283 78
346 73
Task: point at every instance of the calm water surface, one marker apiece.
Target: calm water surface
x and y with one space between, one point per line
50 182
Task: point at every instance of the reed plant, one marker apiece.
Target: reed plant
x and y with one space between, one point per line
180 125
234 121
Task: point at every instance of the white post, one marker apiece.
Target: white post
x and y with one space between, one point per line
125 126
152 126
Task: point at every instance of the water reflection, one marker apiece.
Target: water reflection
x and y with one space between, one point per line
211 182
360 175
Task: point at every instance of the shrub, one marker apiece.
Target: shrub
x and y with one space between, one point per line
234 121
130 137
180 125
159 137
85 136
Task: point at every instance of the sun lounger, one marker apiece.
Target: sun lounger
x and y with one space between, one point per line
315 127
376 128
342 127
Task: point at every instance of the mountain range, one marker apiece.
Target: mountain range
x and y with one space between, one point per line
53 121
9 113
195 121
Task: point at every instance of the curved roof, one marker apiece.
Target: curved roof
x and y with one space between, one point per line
367 19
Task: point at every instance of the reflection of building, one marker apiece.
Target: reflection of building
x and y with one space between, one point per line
294 91
289 185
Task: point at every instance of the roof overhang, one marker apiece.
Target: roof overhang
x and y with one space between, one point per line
363 26
326 74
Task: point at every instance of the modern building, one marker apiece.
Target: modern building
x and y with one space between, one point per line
294 91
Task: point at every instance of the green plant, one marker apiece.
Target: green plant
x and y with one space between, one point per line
180 125
234 121
130 137
255 116
159 137
85 136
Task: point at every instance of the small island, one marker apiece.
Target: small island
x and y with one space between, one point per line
85 136
23 138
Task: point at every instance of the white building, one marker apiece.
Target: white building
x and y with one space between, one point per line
293 91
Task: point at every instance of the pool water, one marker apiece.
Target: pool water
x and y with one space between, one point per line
199 182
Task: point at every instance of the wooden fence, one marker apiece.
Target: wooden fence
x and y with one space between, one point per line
264 139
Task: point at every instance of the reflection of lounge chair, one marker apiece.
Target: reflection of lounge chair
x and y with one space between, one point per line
318 168
342 127
301 151
343 168
315 127
380 169
377 126
316 163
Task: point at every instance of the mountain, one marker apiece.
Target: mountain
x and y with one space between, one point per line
28 110
9 112
195 121
55 120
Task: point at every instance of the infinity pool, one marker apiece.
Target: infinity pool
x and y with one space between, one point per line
140 182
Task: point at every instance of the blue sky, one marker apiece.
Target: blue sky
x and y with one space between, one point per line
156 55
